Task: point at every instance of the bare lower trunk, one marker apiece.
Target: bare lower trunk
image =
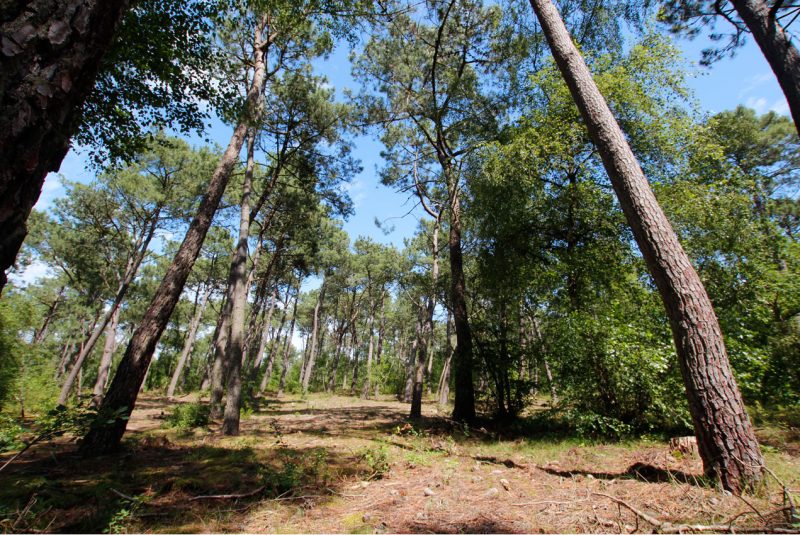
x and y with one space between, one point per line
275 345
51 54
288 348
725 435
105 360
777 47
219 366
265 329
336 356
408 391
379 349
312 354
188 345
370 347
121 397
419 366
238 282
444 380
550 382
464 403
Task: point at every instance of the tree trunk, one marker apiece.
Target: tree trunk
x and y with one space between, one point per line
354 342
219 364
408 391
725 435
370 347
122 394
777 47
275 345
51 54
105 360
51 312
288 347
444 380
135 259
188 345
379 348
336 355
265 329
419 366
464 404
551 382
432 304
312 354
239 287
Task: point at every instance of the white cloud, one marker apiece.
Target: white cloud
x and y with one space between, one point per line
780 106
36 270
51 190
758 104
355 190
753 82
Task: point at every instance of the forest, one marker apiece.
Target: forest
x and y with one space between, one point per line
594 326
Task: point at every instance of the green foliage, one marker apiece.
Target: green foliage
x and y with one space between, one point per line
189 416
377 459
10 349
10 434
159 71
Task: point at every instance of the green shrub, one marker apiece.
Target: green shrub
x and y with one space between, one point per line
377 459
189 416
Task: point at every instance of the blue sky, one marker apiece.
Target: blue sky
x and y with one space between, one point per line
745 79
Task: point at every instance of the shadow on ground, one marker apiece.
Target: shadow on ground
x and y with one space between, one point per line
152 485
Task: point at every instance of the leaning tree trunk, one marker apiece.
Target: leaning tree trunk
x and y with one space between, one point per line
121 397
275 344
287 351
50 56
218 366
777 47
105 360
464 403
238 281
51 312
725 436
312 354
188 345
135 260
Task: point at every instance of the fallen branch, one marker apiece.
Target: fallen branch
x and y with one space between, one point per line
549 502
122 495
669 527
508 463
229 496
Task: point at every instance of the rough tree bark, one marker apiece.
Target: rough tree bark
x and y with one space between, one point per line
188 344
105 360
777 47
464 403
238 282
50 54
121 397
725 435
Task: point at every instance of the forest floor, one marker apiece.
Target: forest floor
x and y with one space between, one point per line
340 464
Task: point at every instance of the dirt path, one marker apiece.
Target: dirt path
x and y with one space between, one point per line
339 464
